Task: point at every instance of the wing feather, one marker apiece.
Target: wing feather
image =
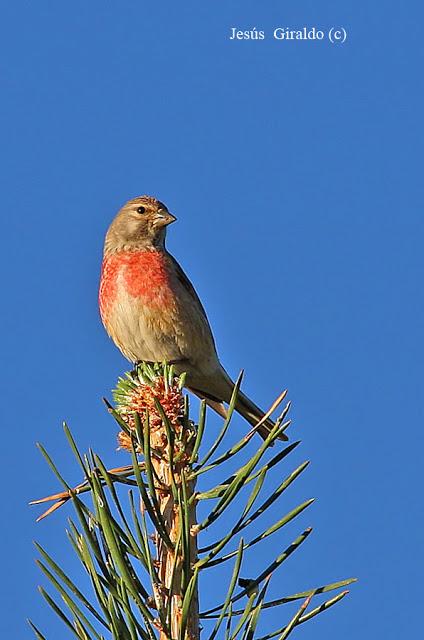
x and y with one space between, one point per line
195 319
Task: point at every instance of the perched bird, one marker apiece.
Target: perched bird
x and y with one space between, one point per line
152 312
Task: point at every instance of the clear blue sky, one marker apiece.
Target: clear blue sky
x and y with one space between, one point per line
295 171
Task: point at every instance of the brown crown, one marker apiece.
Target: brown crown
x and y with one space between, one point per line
147 200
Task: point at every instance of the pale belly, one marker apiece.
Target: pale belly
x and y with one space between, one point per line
143 333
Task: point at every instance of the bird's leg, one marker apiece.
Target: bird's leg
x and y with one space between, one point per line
133 372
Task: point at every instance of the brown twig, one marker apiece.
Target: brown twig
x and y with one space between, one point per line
63 497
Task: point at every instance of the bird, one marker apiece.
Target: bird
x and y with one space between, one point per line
152 312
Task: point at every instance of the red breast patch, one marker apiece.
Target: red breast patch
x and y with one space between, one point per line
145 275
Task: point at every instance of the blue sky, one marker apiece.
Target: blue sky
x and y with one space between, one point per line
295 171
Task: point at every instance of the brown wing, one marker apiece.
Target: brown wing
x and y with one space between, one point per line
182 278
195 316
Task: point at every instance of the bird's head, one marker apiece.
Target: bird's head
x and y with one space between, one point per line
140 223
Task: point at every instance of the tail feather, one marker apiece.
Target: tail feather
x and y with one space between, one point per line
213 403
244 406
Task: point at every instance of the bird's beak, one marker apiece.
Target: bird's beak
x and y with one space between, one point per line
165 217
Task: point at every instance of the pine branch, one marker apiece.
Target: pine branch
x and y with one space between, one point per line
142 557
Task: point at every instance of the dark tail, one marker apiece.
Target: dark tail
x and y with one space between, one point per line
219 390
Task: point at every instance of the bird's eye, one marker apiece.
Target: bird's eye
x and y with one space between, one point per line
141 210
